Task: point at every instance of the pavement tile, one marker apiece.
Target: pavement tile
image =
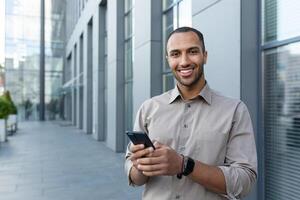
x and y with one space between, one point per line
46 161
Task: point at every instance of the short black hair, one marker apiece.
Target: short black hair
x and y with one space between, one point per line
185 29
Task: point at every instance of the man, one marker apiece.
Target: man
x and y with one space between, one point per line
204 142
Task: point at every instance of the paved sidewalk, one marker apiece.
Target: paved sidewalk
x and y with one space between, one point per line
47 161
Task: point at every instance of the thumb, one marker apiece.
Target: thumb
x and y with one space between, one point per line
157 144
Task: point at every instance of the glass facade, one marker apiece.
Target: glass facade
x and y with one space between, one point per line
176 13
54 56
129 57
22 55
281 80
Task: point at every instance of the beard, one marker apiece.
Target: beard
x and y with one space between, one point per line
195 79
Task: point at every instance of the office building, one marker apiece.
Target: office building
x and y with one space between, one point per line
114 59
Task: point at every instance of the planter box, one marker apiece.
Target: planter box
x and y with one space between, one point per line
3 130
11 125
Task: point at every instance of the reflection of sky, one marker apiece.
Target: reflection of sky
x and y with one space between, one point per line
288 18
22 30
2 15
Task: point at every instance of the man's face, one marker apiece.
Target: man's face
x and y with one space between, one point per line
186 58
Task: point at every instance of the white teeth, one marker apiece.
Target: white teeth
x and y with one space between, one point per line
185 72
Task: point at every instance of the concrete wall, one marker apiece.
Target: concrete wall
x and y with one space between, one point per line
219 21
90 12
115 76
147 48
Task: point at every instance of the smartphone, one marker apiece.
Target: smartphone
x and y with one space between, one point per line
138 137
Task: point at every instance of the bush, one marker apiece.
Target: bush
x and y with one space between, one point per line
12 107
5 108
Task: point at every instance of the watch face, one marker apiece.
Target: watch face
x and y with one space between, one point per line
189 164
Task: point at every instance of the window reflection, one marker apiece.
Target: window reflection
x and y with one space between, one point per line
280 19
22 52
54 51
282 119
129 58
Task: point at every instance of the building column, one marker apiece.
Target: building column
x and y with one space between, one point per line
42 64
115 75
148 53
251 80
99 72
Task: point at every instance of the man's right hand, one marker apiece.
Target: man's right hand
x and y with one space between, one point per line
139 151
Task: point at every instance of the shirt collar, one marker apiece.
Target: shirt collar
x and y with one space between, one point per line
205 93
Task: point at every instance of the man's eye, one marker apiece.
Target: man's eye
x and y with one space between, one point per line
174 54
194 51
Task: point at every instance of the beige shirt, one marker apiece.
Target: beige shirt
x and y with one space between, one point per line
211 128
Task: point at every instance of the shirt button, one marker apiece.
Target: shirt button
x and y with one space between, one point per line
185 126
189 105
177 197
182 148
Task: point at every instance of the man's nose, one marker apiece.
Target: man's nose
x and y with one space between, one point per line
185 60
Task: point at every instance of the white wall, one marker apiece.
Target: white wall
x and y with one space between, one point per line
142 54
111 73
219 21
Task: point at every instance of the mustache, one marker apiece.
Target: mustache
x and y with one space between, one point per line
191 66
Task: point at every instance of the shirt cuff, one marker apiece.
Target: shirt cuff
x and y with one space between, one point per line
128 167
233 188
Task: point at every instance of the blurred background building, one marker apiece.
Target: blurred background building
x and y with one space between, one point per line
95 61
23 55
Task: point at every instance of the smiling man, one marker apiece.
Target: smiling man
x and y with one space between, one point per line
204 142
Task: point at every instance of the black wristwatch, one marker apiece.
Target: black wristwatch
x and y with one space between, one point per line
187 166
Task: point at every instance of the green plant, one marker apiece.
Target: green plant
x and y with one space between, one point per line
4 108
12 107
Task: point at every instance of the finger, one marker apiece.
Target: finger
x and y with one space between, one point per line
151 168
157 144
133 148
149 160
141 153
154 173
158 152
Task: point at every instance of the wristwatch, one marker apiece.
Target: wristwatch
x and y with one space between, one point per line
188 166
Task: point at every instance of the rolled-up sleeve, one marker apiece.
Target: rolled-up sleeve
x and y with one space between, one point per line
240 167
139 125
128 165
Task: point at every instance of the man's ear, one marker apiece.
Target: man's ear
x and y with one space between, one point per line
205 56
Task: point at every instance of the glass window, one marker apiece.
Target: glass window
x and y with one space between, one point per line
282 122
129 57
22 51
281 64
128 25
128 60
280 19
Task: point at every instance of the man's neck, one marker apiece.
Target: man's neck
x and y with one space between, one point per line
191 92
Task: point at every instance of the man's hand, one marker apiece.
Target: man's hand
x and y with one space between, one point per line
139 151
163 161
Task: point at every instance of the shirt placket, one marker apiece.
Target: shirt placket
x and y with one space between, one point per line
185 128
185 131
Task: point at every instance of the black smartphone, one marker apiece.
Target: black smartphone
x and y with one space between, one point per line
138 137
